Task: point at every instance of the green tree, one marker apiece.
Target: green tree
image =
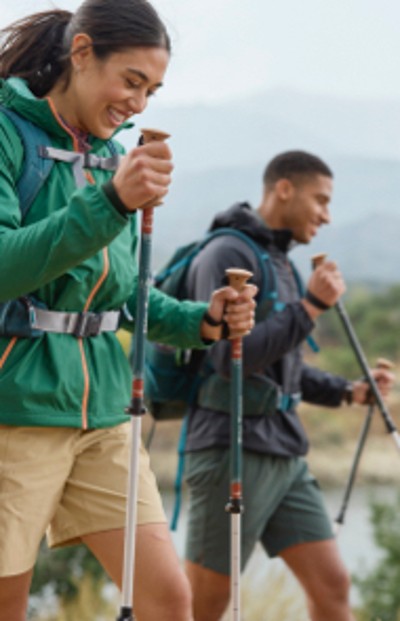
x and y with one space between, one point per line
379 589
375 318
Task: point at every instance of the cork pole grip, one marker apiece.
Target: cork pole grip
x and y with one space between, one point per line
384 363
318 259
149 135
237 278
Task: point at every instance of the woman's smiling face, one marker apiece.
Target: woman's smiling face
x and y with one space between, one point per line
103 93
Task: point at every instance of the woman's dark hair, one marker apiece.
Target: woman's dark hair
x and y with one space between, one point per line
37 48
294 164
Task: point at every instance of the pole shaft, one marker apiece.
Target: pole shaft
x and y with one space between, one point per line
141 313
237 279
237 416
339 521
390 426
236 474
235 566
131 513
136 407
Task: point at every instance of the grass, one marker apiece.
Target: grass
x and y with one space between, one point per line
272 594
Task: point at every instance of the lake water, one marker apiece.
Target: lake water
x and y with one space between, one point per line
355 538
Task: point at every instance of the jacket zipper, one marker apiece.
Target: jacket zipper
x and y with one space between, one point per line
85 370
8 351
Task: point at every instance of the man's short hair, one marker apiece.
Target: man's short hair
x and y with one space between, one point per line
293 164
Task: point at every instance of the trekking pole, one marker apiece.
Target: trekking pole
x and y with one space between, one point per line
340 308
136 407
237 279
339 521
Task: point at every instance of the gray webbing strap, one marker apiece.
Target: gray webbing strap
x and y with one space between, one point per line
80 161
80 325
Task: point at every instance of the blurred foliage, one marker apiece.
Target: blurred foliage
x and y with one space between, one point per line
270 592
379 589
375 319
73 577
125 338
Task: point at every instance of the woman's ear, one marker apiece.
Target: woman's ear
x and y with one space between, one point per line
81 51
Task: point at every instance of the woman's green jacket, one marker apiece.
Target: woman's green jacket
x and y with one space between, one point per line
74 251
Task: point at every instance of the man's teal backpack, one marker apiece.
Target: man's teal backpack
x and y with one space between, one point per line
173 376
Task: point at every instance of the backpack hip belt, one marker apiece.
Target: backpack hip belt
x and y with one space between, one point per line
261 396
26 317
80 325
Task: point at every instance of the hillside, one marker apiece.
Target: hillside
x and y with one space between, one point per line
366 246
220 152
250 130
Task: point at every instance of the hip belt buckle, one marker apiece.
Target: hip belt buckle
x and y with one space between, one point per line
87 324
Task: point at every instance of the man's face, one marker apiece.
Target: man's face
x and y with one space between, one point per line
307 206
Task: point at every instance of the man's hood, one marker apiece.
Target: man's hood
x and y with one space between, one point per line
242 217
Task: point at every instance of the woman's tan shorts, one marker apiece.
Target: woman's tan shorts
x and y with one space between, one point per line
67 483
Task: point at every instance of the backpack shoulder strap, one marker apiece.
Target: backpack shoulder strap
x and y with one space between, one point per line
35 169
182 258
269 289
300 285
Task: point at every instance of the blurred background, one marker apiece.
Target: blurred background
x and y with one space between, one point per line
246 81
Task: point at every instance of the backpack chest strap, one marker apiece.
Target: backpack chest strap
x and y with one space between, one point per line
79 161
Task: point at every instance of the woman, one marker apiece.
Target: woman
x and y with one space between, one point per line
67 268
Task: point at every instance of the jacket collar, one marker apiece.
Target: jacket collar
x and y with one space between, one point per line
242 217
15 94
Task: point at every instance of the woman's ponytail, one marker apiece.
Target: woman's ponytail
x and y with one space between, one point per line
37 48
33 48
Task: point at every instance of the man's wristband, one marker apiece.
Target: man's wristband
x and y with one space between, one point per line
348 393
310 297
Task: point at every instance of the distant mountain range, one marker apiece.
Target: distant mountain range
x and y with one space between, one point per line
220 152
251 130
367 251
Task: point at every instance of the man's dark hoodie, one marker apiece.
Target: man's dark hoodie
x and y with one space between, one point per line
272 350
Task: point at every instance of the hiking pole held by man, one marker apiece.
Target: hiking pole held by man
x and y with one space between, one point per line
368 376
237 279
136 407
340 519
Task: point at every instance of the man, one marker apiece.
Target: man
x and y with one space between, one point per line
283 505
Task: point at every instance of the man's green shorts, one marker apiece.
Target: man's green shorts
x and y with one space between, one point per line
283 506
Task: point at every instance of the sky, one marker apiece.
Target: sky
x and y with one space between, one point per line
224 49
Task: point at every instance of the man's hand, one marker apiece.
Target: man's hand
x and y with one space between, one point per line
235 310
361 389
326 284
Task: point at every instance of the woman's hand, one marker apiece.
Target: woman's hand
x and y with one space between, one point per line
231 309
143 176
